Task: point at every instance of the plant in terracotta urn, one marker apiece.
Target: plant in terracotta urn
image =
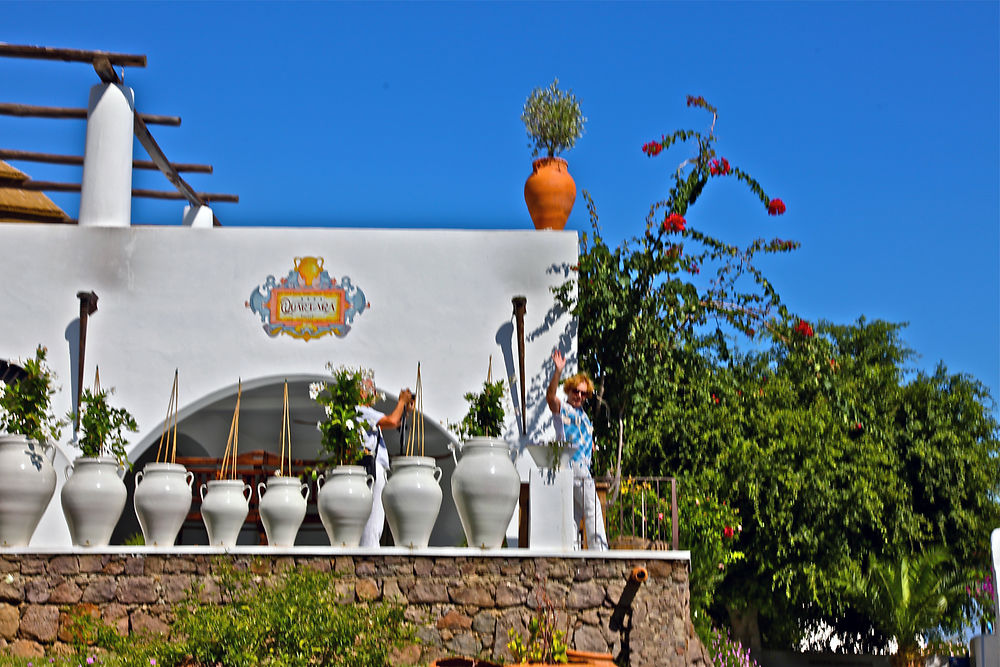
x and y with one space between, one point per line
554 122
28 429
94 495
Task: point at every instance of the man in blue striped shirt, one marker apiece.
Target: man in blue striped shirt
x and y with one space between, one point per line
573 426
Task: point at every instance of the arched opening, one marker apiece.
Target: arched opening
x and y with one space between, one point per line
203 428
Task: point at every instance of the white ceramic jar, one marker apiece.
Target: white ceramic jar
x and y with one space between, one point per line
282 508
225 504
27 482
412 500
93 499
485 486
162 501
345 501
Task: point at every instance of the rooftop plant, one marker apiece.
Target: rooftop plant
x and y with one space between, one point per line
553 120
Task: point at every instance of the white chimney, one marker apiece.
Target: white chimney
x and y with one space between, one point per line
106 193
198 216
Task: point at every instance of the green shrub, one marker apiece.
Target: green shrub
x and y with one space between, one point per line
295 621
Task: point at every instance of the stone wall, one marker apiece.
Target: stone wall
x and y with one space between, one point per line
460 604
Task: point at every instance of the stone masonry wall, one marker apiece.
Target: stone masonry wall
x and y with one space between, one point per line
460 605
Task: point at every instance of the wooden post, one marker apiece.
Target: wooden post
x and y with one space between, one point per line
88 306
520 308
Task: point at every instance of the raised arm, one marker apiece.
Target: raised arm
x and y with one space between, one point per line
394 418
550 394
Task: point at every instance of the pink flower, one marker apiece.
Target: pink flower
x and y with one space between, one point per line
728 531
660 516
776 207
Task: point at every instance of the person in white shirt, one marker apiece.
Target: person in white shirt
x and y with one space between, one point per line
375 445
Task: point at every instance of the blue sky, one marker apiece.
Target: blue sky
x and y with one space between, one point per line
878 124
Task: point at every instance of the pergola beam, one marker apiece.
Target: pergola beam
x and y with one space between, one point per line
202 197
35 111
71 55
77 161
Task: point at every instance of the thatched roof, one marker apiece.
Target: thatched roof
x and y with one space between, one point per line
20 205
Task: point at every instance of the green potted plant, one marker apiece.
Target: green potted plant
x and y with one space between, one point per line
28 428
485 484
554 122
94 495
344 495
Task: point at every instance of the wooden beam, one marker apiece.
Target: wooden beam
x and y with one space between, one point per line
77 160
34 111
71 55
203 197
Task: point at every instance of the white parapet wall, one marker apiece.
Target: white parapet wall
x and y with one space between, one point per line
211 303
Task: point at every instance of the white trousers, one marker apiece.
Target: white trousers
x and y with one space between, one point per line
372 534
586 506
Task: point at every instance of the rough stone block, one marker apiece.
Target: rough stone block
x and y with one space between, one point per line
25 648
585 595
422 567
176 586
144 623
116 615
34 565
454 621
366 589
427 592
100 589
477 594
484 623
11 588
343 592
509 594
136 590
91 563
391 592
464 643
405 656
37 591
8 565
589 638
9 620
64 565
66 593
40 622
114 566
179 566
135 566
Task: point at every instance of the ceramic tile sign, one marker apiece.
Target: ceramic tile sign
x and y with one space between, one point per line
307 303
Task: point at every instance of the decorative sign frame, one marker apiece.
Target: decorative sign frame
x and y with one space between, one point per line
307 303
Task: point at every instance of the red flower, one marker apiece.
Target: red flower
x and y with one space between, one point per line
652 148
804 328
719 167
696 101
776 207
674 223
675 252
728 532
715 399
694 269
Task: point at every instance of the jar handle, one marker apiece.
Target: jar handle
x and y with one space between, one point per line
247 487
370 481
437 474
261 488
50 451
319 483
138 477
305 487
202 489
68 470
189 478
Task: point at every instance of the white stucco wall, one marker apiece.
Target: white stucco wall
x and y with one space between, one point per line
174 297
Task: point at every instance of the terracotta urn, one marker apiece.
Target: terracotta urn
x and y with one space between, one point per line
549 193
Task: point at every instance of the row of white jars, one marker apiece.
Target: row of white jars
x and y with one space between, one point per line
485 486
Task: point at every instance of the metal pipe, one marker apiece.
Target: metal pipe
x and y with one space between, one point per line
520 308
624 604
88 306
